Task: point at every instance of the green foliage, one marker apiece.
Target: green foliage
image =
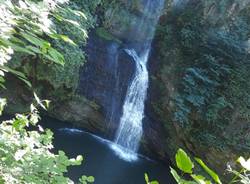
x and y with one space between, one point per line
183 162
178 179
103 33
18 74
208 68
197 179
87 179
88 5
29 32
189 176
68 76
200 86
208 170
53 33
25 147
148 181
243 175
27 24
239 176
2 104
26 155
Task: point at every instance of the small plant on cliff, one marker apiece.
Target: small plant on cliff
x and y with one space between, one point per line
242 176
186 166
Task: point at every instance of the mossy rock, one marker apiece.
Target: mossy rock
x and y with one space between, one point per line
131 21
80 111
103 33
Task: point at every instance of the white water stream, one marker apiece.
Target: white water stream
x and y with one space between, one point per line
129 133
130 130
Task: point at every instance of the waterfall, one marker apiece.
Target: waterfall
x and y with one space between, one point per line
130 129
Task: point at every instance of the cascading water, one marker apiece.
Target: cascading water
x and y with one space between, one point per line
130 131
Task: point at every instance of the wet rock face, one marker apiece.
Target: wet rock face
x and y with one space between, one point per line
154 139
220 11
105 77
81 112
214 12
125 20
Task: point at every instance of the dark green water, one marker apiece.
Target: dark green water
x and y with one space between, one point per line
99 159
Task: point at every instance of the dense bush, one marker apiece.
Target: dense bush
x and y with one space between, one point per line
25 147
26 155
210 66
71 21
68 75
24 27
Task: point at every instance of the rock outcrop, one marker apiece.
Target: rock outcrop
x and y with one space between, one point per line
123 20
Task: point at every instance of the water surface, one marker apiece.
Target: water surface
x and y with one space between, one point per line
100 160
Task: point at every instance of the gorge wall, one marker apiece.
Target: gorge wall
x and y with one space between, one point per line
199 84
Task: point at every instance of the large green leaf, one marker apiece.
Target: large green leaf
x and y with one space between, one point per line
2 80
77 13
154 182
67 39
20 75
17 41
146 178
209 171
22 49
87 179
175 174
200 179
34 39
62 37
34 49
55 56
178 179
90 179
26 81
75 23
183 161
148 181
